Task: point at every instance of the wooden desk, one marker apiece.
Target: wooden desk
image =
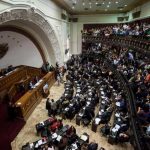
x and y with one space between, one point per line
15 76
94 126
27 103
78 119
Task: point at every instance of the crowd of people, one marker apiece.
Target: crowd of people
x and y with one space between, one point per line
136 29
135 67
46 67
5 71
90 83
59 72
57 136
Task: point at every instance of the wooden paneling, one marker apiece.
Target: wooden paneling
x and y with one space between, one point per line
7 81
26 104
20 73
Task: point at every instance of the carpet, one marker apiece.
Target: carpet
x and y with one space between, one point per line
8 128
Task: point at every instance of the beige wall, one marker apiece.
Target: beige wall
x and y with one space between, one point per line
21 51
101 18
145 11
52 13
63 28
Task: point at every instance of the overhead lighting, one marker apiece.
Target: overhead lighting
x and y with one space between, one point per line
96 3
125 5
83 2
103 3
109 3
116 2
108 6
73 5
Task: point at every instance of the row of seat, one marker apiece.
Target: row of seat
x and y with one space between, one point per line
143 45
131 106
56 135
136 127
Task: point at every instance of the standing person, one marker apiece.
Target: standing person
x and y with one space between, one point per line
47 66
58 79
61 76
53 107
57 65
48 106
11 111
65 67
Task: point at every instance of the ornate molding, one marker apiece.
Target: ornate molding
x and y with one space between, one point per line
32 16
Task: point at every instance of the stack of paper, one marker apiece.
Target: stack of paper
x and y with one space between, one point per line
97 120
84 137
54 136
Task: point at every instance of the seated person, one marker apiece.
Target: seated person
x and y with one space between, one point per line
63 143
88 115
10 68
123 137
51 68
84 146
46 89
56 125
144 114
49 147
30 86
92 146
71 131
1 72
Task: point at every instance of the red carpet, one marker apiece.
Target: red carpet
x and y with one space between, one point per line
8 128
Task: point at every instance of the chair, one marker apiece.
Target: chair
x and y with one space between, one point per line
86 122
105 130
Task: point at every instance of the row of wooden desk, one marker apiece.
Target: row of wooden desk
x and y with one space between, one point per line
93 127
27 103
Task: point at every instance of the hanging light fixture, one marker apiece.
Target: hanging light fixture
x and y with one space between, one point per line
74 2
83 2
96 2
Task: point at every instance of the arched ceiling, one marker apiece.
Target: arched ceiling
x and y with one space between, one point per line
80 7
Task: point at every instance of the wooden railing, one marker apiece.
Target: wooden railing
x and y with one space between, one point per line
13 91
27 103
7 81
141 45
32 71
15 76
